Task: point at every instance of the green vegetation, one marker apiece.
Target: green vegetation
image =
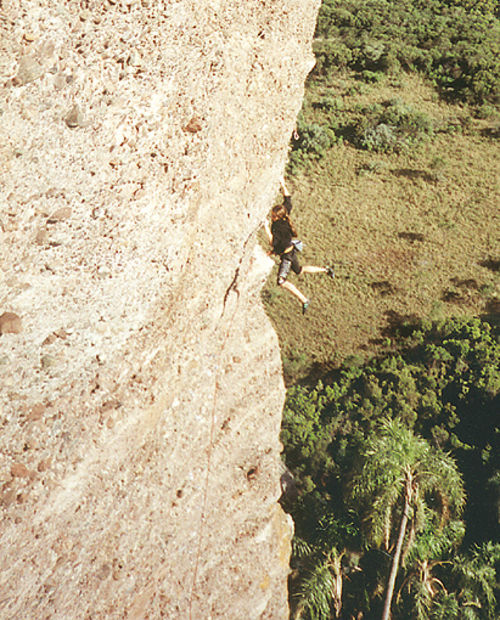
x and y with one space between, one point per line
392 183
396 489
455 44
391 126
379 455
391 422
311 144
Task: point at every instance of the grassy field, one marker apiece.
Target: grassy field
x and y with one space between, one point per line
413 234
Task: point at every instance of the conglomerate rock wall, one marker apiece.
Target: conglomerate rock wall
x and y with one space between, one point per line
141 144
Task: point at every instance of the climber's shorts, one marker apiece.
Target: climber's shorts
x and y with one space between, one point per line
289 261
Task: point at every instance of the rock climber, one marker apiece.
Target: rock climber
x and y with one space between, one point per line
283 239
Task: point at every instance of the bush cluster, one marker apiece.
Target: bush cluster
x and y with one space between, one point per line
391 126
311 144
456 43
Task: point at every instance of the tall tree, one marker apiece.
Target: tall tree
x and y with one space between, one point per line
403 486
477 579
426 567
321 575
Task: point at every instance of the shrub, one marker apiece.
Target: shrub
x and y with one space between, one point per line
485 111
372 76
487 7
392 126
312 143
371 52
382 138
331 55
330 103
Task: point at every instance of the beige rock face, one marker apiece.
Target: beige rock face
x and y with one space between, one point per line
140 148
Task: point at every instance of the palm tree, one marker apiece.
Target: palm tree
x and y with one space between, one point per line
321 574
429 554
403 482
473 578
476 578
321 587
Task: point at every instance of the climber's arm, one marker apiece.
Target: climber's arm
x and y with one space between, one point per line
283 187
268 232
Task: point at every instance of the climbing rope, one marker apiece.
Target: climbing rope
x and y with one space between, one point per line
216 388
233 286
209 461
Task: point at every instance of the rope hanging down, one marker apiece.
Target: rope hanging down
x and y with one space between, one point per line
232 287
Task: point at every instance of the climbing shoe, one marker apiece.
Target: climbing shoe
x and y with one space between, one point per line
330 271
305 306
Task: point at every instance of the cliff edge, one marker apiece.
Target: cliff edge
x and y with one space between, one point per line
140 381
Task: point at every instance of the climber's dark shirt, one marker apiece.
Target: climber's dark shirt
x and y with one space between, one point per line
281 231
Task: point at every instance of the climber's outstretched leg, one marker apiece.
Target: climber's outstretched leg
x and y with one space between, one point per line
313 269
296 293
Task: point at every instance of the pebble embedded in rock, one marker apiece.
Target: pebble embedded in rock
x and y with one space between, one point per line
75 117
18 470
47 361
61 214
36 412
47 50
44 465
10 323
42 236
193 126
51 338
134 60
104 572
28 71
7 497
60 81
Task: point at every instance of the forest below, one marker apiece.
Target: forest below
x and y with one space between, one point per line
390 428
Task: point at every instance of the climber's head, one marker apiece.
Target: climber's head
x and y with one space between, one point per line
279 212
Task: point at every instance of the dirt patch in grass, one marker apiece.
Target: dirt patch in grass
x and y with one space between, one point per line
411 235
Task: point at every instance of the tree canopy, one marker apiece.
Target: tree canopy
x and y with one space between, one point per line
411 433
455 43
